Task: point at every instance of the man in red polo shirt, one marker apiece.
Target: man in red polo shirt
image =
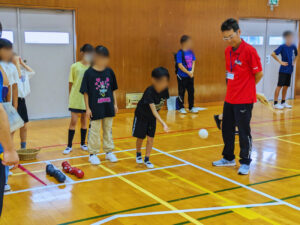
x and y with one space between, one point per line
243 72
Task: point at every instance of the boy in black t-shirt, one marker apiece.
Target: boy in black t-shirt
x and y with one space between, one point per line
146 113
98 86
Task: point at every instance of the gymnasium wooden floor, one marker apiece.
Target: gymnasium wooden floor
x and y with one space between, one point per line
184 180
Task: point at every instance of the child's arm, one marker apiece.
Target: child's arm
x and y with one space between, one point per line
16 62
28 68
88 110
115 102
157 116
180 65
10 157
15 96
193 67
70 87
278 60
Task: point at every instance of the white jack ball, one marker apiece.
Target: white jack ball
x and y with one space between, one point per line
203 133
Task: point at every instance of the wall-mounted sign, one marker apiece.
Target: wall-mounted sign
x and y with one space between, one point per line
132 99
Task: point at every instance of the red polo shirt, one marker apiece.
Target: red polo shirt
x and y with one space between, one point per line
244 63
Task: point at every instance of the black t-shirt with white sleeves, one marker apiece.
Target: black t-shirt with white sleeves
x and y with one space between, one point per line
151 96
100 85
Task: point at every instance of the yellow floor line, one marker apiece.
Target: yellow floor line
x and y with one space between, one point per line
288 141
247 213
166 204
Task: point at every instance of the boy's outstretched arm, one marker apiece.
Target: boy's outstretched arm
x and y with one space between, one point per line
278 60
157 116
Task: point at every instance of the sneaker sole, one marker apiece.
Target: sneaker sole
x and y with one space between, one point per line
227 165
243 173
66 153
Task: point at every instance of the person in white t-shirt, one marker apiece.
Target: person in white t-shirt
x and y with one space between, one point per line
11 67
23 92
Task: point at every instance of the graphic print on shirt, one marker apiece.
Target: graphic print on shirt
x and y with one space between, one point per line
160 104
102 87
189 61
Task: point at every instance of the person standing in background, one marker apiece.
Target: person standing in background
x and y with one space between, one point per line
76 100
185 60
23 92
289 53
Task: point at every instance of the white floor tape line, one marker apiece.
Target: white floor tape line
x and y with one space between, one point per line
92 179
184 211
230 180
74 157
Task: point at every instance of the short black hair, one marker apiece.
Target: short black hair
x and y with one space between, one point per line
230 24
87 48
287 33
102 51
184 38
4 43
160 72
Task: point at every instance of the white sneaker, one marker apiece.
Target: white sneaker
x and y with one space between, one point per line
182 111
111 157
139 160
7 187
149 165
94 160
285 105
278 106
84 147
193 110
67 151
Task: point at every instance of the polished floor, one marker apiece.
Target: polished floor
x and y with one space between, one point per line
183 188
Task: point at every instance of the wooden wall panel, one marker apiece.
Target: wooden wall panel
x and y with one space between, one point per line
143 34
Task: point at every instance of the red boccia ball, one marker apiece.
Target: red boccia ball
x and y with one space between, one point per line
79 173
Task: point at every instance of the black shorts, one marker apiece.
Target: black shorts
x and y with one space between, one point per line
77 110
143 127
284 79
22 109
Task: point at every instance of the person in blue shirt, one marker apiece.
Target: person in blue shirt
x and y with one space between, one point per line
289 53
185 60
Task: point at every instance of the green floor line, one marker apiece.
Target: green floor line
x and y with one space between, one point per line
175 200
230 211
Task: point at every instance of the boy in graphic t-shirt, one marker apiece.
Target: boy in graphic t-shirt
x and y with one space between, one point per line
98 87
146 113
289 53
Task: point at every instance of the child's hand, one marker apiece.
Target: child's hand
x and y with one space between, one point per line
166 128
116 108
284 63
89 113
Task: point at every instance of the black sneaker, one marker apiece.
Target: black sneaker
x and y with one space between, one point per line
218 121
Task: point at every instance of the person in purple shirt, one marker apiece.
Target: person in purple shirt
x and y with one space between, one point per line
289 53
185 60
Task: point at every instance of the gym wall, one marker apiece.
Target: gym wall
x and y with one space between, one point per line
143 34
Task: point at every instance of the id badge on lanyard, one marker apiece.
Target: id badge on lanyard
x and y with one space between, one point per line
230 75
